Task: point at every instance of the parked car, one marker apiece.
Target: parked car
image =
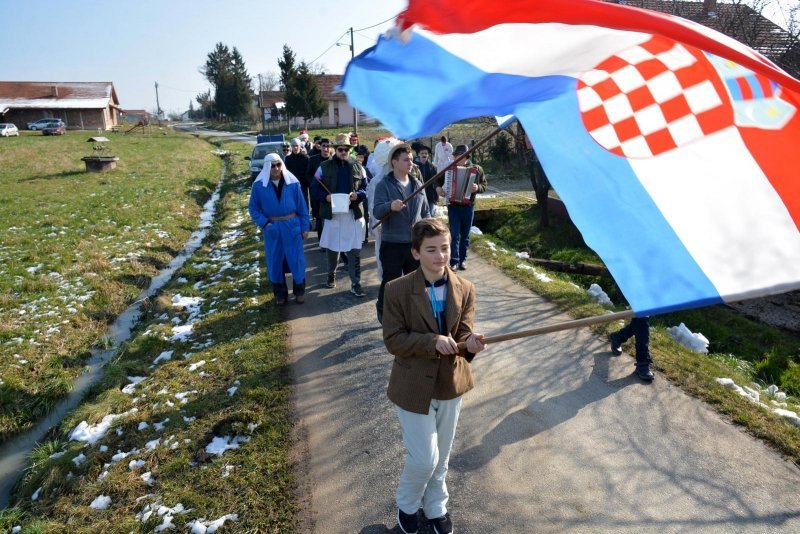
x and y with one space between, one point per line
56 128
7 129
43 123
260 151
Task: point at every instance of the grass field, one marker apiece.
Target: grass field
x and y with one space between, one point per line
225 385
77 248
744 350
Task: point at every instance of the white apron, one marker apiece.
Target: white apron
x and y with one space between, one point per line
342 233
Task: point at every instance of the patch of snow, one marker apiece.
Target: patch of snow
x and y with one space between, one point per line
160 426
148 478
693 341
181 333
475 230
522 255
232 390
536 273
183 394
143 425
164 356
197 365
135 380
598 295
36 493
219 445
92 433
790 415
101 502
136 464
200 526
78 460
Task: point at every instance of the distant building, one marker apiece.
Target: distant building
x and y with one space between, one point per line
339 113
136 115
81 105
737 20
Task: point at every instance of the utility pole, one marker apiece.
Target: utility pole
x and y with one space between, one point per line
261 103
352 56
158 106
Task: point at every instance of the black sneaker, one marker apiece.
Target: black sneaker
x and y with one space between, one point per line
331 281
442 525
408 523
643 371
357 291
462 266
616 348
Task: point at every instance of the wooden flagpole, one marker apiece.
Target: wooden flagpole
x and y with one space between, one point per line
436 176
567 325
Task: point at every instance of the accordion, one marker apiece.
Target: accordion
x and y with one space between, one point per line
458 184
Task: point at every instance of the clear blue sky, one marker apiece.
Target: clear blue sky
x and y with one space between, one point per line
136 43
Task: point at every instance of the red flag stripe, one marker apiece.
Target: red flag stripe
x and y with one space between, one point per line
470 16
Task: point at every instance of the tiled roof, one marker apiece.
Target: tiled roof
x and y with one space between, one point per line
57 95
327 83
736 20
327 86
270 98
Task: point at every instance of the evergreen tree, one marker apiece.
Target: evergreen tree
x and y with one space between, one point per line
286 63
303 97
226 72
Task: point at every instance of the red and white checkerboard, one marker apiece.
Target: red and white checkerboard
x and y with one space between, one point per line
651 98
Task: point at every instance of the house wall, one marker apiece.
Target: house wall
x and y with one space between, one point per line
75 119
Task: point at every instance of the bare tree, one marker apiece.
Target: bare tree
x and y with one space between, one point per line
269 81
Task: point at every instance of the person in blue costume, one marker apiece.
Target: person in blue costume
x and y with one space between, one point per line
278 207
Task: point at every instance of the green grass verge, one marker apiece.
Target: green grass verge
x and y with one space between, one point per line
240 336
76 248
740 348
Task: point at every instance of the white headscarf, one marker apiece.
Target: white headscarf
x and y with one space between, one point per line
380 166
264 176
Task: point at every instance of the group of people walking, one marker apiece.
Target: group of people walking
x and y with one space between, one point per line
340 187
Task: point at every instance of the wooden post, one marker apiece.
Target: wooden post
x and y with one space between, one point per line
567 325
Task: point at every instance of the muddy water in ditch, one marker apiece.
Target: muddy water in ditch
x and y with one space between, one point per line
14 454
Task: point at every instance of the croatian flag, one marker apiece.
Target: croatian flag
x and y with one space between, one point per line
674 147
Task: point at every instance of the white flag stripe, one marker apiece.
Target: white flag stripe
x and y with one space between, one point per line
708 203
554 48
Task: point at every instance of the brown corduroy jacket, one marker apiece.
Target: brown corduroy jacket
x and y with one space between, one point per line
419 373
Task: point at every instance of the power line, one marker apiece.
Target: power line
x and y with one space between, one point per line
368 37
378 24
327 49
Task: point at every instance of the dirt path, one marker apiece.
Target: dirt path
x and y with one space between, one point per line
557 436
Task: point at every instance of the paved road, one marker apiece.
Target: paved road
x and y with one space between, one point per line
197 128
557 436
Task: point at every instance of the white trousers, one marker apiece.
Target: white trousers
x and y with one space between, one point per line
428 439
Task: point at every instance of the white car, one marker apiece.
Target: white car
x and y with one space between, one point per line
260 151
7 129
43 123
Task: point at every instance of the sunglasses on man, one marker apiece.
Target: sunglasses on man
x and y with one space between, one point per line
342 149
276 165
